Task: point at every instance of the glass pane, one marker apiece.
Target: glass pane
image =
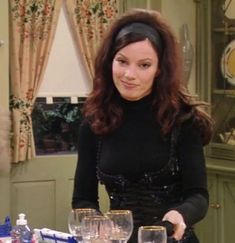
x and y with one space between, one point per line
223 72
56 125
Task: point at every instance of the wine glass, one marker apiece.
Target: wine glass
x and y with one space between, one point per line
75 218
96 229
153 234
122 225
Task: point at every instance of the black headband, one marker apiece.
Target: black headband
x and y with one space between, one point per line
143 30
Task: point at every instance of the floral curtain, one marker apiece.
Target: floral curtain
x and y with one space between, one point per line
32 29
89 20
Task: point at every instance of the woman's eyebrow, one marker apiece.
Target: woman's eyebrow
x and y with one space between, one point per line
144 59
120 54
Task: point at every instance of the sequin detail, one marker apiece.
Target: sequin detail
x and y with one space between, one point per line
147 196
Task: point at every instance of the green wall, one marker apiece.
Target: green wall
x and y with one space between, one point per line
4 100
4 69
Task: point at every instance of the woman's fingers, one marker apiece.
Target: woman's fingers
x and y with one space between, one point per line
179 225
179 231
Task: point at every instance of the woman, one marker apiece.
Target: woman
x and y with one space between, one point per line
143 134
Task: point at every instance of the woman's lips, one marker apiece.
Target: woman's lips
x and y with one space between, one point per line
128 85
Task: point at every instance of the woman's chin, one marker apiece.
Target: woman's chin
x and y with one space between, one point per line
130 98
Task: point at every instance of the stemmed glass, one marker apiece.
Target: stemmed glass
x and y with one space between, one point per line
96 229
75 218
122 225
153 234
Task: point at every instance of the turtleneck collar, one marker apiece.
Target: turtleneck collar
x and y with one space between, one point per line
137 104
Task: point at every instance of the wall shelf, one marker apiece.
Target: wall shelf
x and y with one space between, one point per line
226 31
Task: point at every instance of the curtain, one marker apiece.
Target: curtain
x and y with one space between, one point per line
89 19
32 29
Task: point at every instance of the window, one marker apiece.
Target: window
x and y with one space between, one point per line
57 111
56 125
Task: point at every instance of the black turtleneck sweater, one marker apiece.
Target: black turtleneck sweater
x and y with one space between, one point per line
137 147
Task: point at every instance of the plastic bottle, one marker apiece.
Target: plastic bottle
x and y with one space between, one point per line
21 233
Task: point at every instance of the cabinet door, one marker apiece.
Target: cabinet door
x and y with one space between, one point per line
216 73
226 198
207 229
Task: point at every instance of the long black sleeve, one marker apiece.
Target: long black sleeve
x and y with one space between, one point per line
85 193
194 179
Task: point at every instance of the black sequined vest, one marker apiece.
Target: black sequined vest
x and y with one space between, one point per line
148 198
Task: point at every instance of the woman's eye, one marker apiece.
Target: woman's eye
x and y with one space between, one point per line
121 61
145 65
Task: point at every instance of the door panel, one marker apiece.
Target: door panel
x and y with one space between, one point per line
227 210
208 226
42 188
36 199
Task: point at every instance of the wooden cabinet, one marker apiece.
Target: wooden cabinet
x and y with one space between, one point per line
216 71
218 226
215 75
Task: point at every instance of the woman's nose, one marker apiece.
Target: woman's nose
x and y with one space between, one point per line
130 73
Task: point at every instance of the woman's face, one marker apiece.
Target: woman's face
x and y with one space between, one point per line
134 69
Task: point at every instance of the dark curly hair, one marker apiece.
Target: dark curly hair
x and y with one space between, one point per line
171 102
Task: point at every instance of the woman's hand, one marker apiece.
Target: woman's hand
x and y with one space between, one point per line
177 220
